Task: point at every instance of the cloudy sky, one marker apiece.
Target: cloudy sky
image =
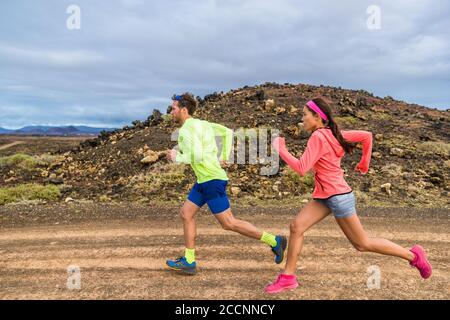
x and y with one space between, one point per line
130 56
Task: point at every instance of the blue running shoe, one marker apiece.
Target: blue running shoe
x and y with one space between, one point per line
279 249
182 265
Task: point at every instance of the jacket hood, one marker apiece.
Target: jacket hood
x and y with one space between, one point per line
332 141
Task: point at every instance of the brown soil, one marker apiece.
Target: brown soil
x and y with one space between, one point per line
37 145
121 250
9 145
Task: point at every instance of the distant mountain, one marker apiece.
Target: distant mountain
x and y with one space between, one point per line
56 131
5 131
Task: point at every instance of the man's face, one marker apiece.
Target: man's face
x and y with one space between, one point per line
176 111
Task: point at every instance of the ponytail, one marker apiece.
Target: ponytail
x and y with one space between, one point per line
330 123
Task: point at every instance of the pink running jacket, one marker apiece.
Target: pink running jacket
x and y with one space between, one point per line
323 155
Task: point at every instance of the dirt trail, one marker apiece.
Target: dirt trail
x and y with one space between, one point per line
122 257
9 145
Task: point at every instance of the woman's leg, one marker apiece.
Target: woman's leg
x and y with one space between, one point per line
354 231
308 216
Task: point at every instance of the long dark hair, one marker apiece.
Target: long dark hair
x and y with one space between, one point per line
330 123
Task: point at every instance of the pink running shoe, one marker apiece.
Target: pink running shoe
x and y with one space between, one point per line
283 282
420 262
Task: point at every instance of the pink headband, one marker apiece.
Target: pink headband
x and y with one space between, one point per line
316 108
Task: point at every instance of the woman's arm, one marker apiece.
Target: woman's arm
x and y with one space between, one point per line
313 152
365 138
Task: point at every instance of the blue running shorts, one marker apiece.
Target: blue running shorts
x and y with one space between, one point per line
213 192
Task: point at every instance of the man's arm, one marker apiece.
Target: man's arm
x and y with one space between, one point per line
227 139
190 148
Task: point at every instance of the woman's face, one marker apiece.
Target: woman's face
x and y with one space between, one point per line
311 120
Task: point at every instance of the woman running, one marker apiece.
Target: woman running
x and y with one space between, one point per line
325 148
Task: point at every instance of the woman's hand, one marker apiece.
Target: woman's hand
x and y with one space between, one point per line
279 144
362 168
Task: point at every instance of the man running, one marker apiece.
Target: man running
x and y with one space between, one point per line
197 144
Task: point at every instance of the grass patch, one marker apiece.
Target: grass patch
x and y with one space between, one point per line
293 181
31 191
435 147
104 198
362 197
380 116
46 158
166 176
25 161
20 160
346 120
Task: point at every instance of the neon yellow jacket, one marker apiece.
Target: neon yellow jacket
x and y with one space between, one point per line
197 143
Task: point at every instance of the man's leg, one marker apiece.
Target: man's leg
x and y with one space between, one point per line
187 213
278 243
191 206
217 200
229 222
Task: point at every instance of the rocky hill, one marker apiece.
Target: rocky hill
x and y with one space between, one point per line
410 161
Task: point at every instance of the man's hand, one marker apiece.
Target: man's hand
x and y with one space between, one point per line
171 155
223 163
278 144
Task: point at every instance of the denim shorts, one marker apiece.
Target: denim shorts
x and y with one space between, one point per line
342 205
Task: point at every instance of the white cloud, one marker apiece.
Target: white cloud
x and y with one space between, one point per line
56 58
130 56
